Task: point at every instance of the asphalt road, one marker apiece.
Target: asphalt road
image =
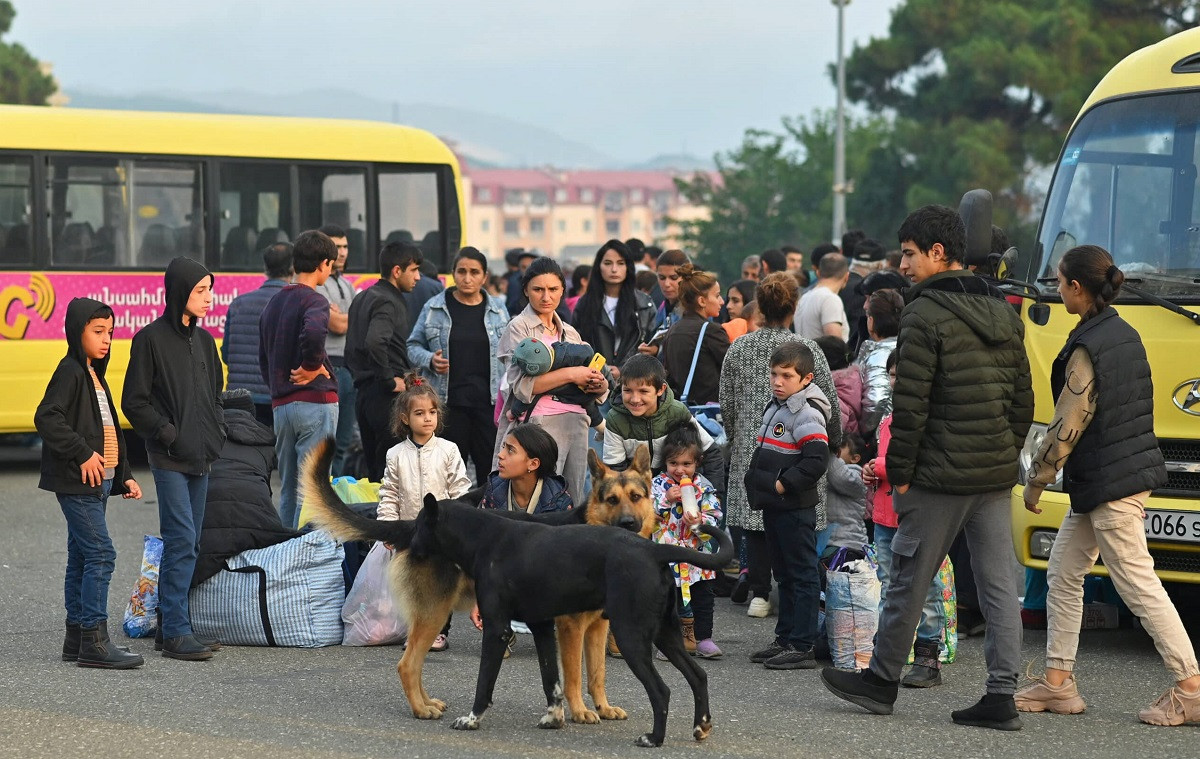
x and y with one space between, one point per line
347 702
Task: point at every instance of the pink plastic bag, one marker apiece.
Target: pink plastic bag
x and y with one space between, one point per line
370 615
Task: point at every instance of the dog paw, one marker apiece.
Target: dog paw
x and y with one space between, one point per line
703 729
436 703
611 712
647 741
427 712
552 721
585 717
469 722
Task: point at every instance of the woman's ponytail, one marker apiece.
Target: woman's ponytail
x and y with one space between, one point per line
1093 268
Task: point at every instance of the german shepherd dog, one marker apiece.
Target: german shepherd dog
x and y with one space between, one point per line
535 572
617 498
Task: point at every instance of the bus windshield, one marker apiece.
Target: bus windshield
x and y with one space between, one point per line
1127 181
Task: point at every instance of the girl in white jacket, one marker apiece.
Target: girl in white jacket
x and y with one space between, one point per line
422 463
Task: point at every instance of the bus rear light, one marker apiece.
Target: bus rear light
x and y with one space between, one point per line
1040 543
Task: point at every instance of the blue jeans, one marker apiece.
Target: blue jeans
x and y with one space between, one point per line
932 616
792 545
90 557
180 517
347 426
299 427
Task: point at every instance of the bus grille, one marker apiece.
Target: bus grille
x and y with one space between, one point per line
1183 468
1172 561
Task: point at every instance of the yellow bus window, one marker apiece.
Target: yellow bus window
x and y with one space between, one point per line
337 195
256 211
408 212
16 199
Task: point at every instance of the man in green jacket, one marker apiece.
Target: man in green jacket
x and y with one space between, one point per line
962 405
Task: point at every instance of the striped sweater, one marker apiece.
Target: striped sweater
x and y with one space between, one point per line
793 449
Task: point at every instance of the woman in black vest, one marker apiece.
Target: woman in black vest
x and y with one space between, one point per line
1103 429
612 315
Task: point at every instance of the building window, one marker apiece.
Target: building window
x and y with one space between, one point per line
512 227
562 225
612 227
537 227
560 195
660 225
485 225
661 201
587 225
484 194
513 198
614 202
538 198
587 195
635 196
637 226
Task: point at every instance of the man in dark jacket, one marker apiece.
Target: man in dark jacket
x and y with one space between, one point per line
962 405
172 397
377 349
239 348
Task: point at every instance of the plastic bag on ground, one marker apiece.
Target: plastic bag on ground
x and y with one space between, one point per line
139 621
851 614
370 615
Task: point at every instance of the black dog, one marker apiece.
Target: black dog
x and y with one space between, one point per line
536 572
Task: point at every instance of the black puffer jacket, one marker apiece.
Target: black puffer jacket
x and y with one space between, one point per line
963 399
239 513
68 418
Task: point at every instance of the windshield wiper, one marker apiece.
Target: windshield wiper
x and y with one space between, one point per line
1174 308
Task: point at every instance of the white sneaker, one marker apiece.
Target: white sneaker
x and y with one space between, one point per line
520 627
759 607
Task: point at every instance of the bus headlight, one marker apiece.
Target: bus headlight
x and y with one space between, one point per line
1040 543
1033 441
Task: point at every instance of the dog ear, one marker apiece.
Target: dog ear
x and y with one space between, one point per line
431 509
596 466
641 460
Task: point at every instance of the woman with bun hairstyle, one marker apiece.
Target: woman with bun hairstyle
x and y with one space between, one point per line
1102 437
700 300
612 315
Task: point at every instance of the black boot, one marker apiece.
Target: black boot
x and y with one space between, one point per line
995 710
185 647
211 643
71 642
865 688
926 671
96 650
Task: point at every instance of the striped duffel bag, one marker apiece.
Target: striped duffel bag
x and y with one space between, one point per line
288 594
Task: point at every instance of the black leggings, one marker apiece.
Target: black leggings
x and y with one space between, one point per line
701 606
758 560
471 428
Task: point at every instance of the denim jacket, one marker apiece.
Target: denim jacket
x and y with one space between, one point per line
431 333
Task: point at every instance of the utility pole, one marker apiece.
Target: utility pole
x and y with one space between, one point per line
839 149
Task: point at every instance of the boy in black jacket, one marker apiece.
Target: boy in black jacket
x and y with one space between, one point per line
793 449
172 399
83 463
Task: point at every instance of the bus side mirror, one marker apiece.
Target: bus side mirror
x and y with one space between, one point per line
1039 314
1006 264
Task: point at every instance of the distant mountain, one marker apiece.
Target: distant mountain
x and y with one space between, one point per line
483 138
677 161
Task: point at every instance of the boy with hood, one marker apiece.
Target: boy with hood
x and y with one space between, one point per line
83 463
172 398
962 405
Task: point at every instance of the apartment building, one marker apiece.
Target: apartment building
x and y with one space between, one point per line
569 214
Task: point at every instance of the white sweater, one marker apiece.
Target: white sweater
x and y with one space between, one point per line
411 472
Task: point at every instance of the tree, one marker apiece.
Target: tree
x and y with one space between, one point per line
982 93
21 78
774 189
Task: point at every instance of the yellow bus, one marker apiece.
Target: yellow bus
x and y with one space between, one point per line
97 202
1128 180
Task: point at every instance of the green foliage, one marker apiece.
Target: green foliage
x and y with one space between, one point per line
21 79
983 92
774 190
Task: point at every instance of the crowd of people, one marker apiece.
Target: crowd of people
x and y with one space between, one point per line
869 401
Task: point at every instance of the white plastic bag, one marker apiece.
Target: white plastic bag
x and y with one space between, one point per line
851 614
370 614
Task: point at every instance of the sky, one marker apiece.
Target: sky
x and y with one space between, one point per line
630 78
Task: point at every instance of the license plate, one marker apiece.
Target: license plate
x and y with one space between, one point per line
1176 526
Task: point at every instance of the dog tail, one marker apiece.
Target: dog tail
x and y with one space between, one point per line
330 512
725 555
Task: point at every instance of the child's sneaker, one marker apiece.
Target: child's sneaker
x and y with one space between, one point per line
790 658
440 643
1174 707
707 649
759 607
1041 696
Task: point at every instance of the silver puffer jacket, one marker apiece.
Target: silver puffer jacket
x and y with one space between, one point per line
877 392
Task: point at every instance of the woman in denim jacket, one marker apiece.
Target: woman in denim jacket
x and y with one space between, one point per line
465 322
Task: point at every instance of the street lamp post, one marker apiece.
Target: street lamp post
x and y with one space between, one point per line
839 149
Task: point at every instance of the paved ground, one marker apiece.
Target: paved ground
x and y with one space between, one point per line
334 702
